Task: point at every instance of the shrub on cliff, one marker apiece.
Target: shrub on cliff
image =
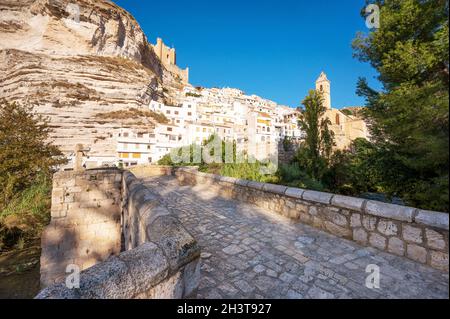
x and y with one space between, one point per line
133 113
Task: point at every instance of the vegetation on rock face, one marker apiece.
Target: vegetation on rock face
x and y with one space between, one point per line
133 113
193 94
27 160
409 118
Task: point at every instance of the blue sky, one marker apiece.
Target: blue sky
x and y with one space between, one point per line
275 49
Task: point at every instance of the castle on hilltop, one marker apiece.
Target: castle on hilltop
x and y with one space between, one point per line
168 58
346 126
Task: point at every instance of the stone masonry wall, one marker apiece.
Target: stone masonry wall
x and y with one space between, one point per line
162 260
147 220
141 171
85 222
405 231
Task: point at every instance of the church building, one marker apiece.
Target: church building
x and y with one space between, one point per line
346 127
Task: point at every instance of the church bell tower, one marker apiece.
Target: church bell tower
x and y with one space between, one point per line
323 86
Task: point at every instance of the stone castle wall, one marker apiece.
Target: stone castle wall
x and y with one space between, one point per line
404 231
168 58
91 211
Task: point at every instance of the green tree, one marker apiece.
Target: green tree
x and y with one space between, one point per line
355 170
408 119
25 150
313 156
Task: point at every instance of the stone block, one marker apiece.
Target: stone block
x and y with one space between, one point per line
417 253
434 239
242 182
318 197
377 241
355 220
294 192
107 280
433 219
369 222
273 188
337 230
412 234
58 210
387 227
227 179
147 265
306 219
178 245
53 235
439 260
317 222
302 208
170 288
335 217
255 185
59 291
313 211
352 203
390 211
191 278
294 214
360 236
396 246
289 204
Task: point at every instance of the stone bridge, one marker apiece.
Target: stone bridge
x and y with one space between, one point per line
186 234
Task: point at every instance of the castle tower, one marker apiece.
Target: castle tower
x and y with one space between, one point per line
323 85
164 53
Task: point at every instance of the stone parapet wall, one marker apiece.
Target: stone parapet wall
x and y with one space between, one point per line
148 170
85 222
147 220
161 259
417 234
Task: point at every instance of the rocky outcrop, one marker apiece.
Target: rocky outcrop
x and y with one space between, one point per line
75 59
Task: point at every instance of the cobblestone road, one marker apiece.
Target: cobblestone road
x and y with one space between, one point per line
249 252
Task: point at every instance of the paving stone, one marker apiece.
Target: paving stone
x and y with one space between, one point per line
264 283
318 293
271 273
232 250
305 240
259 268
205 255
287 277
243 245
244 286
292 294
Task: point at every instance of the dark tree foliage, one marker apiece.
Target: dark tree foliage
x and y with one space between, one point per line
25 149
314 155
408 119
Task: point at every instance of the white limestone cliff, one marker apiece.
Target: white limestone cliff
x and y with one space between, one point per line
72 67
